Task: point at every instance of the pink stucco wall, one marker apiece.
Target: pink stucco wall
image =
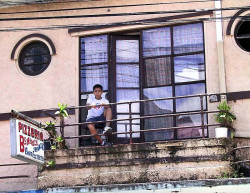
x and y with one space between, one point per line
60 82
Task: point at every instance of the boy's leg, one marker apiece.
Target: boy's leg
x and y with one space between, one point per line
108 115
93 131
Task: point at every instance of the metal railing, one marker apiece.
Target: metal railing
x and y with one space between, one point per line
202 112
239 149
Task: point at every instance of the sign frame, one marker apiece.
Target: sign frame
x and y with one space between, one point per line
26 140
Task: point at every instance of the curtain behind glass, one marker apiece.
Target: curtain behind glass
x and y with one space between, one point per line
94 58
188 38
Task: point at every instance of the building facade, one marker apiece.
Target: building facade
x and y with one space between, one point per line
56 51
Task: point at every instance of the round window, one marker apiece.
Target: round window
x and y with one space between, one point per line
242 35
34 58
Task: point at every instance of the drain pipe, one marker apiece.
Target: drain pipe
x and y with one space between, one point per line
220 47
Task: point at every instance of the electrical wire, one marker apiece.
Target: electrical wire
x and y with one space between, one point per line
108 7
56 27
20 3
123 14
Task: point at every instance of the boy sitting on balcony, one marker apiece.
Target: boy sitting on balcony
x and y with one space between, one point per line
98 110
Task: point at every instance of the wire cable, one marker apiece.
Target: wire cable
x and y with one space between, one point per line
20 3
54 27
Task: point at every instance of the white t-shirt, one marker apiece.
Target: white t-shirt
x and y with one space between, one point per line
97 111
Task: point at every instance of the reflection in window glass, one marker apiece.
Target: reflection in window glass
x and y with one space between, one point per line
161 106
191 103
94 49
188 121
188 38
123 126
158 71
124 95
189 68
127 51
127 75
91 75
156 42
156 123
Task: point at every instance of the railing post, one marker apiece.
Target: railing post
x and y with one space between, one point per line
62 125
130 123
202 116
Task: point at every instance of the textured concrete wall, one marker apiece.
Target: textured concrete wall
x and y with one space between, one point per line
137 163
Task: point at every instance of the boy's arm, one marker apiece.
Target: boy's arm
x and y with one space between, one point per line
88 106
106 106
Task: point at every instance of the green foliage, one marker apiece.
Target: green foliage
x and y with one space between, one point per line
61 144
50 164
62 110
225 117
50 127
59 139
53 147
233 174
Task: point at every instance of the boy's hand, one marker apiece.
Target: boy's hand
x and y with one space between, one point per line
105 105
89 106
93 105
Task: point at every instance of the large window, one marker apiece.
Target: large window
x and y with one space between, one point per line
162 62
173 60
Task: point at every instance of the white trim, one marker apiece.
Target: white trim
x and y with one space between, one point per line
26 42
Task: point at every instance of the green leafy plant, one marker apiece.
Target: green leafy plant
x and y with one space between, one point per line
62 111
50 164
53 147
233 174
50 127
60 141
225 117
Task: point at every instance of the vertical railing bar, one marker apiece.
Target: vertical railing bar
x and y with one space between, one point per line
130 123
62 126
202 116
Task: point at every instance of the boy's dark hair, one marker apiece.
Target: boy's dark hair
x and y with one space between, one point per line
97 86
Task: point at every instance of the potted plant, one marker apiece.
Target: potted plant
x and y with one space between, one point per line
225 117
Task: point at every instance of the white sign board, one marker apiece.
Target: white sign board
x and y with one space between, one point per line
26 142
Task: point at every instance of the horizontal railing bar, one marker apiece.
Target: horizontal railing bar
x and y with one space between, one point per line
138 118
238 162
141 131
145 100
24 117
243 147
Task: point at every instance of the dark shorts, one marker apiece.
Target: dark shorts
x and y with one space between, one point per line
94 119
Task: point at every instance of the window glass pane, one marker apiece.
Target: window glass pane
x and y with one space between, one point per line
124 95
127 75
36 51
94 49
156 42
161 106
189 68
156 123
123 126
190 120
188 38
158 71
91 75
35 68
127 51
191 103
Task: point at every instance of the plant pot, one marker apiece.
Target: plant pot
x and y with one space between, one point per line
221 132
